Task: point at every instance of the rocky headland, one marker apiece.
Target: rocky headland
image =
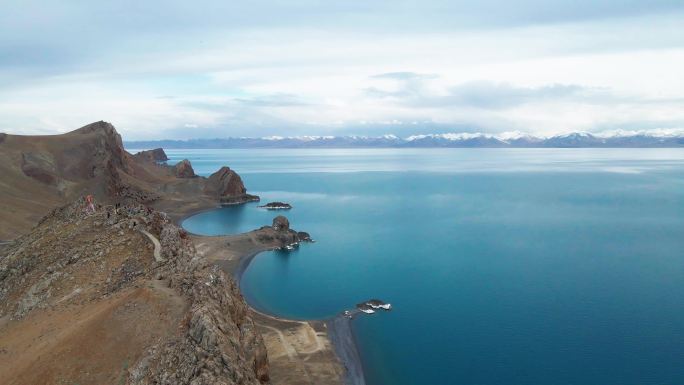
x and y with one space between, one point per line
226 186
156 155
122 294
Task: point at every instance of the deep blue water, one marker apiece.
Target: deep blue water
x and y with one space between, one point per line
505 267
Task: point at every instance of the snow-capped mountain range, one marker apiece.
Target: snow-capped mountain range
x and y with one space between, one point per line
513 139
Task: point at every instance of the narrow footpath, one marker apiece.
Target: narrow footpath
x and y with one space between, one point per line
157 245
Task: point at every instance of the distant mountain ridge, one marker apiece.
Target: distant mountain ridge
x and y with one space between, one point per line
515 139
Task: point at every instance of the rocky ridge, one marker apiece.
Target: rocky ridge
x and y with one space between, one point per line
44 172
72 260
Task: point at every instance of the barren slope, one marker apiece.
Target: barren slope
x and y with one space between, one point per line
40 173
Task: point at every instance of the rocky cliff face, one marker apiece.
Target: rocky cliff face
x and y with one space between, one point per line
183 169
105 146
84 281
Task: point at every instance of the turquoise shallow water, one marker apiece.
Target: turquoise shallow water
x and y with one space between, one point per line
534 267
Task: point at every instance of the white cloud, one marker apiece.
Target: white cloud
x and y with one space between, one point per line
534 72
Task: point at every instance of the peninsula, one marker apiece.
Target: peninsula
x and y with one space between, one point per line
117 292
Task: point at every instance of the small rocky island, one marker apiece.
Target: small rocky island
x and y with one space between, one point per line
289 238
370 306
157 155
276 206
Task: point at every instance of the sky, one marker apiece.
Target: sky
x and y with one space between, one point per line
206 69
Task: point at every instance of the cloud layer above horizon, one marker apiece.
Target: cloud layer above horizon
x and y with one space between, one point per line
178 70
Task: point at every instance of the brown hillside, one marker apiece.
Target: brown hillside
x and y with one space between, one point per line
40 173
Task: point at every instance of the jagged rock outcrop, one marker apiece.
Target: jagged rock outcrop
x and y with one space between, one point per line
220 344
227 186
171 239
225 182
182 321
105 151
156 155
280 223
183 169
279 234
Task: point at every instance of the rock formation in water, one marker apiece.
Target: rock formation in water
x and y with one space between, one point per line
372 305
280 223
279 231
156 155
226 185
304 236
88 303
276 206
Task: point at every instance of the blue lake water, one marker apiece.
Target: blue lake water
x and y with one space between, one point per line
505 267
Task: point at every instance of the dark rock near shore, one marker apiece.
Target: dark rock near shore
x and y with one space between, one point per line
183 169
225 182
280 235
280 223
156 155
227 186
372 305
304 236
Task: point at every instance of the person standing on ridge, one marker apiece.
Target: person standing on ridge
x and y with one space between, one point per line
90 208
